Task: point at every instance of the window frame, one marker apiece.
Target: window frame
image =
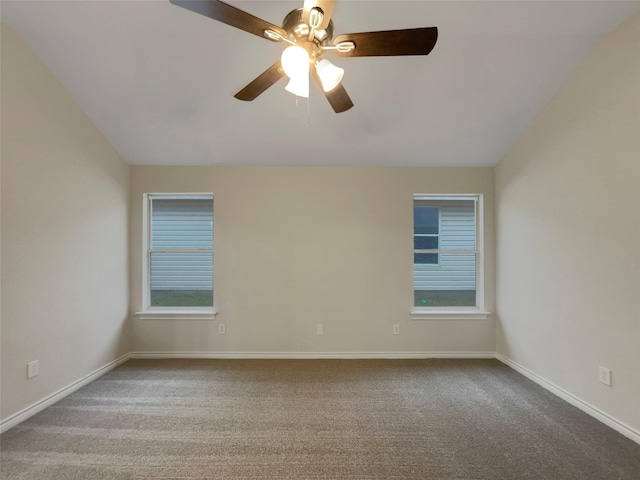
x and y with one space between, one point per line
456 313
150 312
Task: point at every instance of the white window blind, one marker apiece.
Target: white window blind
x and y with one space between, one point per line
181 251
445 251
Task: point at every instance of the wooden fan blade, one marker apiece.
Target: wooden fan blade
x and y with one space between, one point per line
327 9
233 16
263 81
413 41
338 97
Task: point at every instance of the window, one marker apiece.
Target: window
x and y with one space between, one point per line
179 257
446 268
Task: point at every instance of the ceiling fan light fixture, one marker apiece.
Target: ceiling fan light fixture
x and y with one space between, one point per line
295 62
330 75
299 86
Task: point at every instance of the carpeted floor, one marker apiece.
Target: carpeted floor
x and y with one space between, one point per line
315 419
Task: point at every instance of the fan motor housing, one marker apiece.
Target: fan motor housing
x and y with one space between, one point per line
297 29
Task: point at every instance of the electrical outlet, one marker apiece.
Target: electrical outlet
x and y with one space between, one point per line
605 376
396 329
33 369
319 329
222 329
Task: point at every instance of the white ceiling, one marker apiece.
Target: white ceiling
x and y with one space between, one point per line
158 81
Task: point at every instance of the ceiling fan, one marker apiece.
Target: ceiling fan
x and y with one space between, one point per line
309 33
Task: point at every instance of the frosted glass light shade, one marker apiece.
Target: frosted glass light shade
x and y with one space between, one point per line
330 75
299 86
295 62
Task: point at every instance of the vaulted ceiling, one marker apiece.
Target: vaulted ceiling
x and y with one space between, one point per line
158 81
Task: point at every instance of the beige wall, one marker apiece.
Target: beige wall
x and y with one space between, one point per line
568 233
295 247
65 284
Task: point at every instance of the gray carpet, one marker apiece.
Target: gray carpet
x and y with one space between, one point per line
315 419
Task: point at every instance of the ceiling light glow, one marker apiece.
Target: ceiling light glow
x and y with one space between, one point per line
295 64
295 61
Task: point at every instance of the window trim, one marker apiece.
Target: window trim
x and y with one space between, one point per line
478 311
176 314
166 313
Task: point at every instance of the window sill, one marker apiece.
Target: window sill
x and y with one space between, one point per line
176 314
421 314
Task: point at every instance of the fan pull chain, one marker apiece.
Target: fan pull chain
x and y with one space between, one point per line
308 107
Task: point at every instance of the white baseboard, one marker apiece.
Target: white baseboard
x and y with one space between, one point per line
598 414
311 355
34 408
